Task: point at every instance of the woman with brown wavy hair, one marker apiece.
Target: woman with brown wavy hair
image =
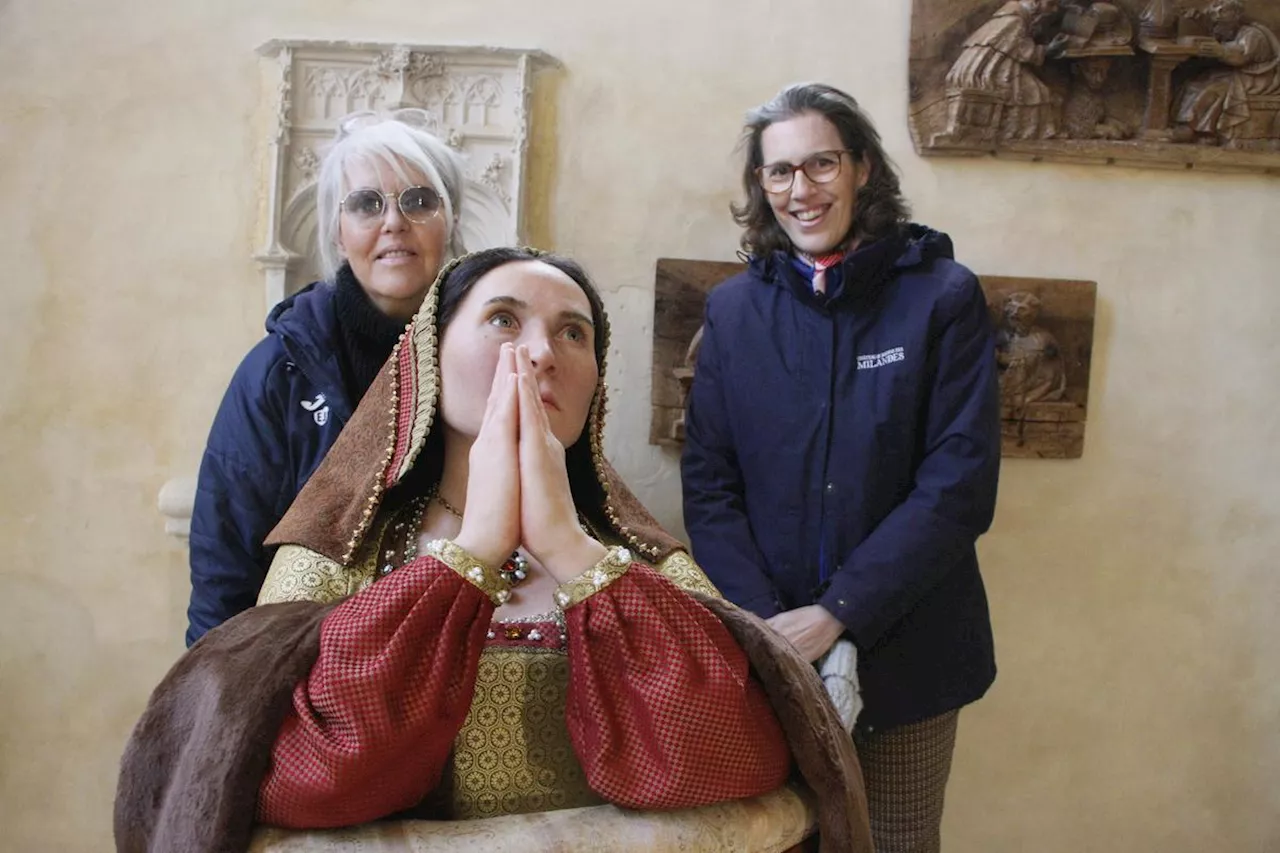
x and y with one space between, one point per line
843 444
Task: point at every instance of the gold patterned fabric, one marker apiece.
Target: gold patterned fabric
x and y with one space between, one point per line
484 578
612 566
513 754
679 568
300 574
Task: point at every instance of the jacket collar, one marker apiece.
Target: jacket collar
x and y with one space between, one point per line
864 272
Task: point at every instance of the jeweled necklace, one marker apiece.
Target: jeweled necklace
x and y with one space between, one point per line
516 567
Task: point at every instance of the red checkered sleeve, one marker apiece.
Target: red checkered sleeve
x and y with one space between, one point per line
662 709
372 727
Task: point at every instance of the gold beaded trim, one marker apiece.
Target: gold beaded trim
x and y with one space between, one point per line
487 580
420 336
379 476
426 379
612 566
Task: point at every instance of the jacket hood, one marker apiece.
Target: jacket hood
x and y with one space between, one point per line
924 245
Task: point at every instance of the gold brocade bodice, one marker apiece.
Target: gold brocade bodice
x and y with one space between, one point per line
512 754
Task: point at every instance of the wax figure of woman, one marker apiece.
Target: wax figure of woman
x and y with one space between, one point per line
469 615
843 442
388 198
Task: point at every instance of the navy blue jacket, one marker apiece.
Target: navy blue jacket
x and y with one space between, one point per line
844 451
282 412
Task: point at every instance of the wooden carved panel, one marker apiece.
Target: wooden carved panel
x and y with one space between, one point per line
1166 83
679 296
1044 351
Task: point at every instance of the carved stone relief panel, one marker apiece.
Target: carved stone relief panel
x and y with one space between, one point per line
1044 348
1166 83
478 102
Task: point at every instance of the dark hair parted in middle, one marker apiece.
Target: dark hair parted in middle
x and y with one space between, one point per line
456 282
880 208
459 280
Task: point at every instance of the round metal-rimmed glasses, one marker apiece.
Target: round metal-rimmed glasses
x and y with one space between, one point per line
367 207
820 168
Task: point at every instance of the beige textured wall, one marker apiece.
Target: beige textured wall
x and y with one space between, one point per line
1134 591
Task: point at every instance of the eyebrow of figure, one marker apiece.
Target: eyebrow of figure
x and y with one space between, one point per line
513 302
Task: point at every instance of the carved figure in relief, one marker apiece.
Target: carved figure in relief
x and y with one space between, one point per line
1159 19
1084 113
993 91
1240 102
1028 356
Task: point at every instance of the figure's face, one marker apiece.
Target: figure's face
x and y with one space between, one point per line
816 217
395 260
526 303
1094 71
1046 8
1044 15
1021 311
1226 21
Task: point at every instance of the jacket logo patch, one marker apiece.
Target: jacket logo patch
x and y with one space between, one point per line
880 359
319 411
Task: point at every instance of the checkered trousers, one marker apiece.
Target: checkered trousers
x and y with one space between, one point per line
905 769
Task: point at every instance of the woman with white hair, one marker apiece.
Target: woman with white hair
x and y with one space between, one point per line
389 196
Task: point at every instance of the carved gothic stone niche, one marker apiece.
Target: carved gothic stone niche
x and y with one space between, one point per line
478 98
1162 83
1043 351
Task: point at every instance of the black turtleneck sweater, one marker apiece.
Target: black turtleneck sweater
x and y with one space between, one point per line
366 335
